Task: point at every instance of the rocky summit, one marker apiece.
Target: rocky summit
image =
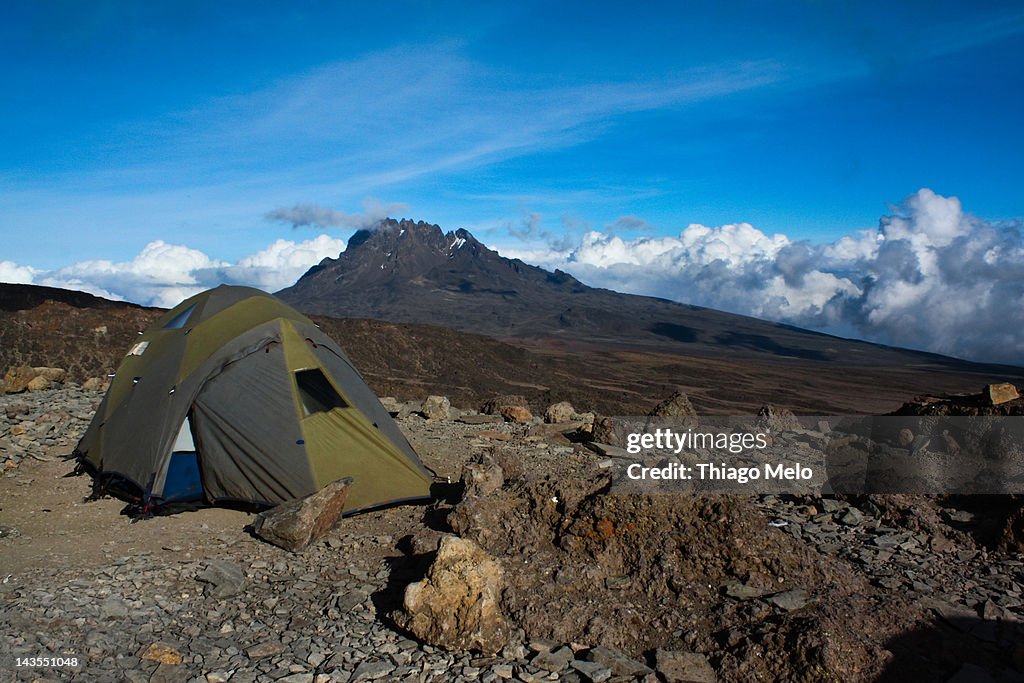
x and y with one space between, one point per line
525 568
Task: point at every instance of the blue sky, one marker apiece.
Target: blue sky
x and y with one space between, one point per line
186 123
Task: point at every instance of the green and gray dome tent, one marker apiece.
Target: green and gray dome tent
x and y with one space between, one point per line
234 397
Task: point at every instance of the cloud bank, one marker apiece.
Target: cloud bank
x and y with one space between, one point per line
931 277
163 274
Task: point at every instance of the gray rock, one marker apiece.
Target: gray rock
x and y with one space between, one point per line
678 666
225 578
887 541
555 660
620 664
268 648
300 677
113 608
505 671
607 449
789 600
851 517
540 645
743 591
592 671
830 505
371 671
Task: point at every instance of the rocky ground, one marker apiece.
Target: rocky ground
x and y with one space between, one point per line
591 586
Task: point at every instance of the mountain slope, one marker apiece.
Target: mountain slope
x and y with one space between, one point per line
405 271
89 336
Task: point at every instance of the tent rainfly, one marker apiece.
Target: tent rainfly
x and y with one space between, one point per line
233 397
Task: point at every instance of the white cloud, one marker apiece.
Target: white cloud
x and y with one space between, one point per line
163 274
13 273
931 277
283 262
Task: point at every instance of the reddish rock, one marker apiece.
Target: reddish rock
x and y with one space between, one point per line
517 414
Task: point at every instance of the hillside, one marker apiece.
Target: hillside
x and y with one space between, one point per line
88 336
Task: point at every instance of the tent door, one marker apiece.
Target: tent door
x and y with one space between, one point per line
183 483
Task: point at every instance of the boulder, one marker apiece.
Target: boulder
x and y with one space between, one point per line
95 384
436 408
298 523
39 383
517 414
57 375
17 379
998 394
676 405
775 419
559 412
494 405
391 404
603 430
457 606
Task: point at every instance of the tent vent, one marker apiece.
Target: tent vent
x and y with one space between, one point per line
316 392
139 348
178 321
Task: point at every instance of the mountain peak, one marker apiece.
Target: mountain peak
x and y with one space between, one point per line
416 265
405 235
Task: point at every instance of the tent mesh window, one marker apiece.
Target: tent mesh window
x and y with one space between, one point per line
316 392
178 321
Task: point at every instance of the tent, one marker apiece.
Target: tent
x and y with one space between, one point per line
234 397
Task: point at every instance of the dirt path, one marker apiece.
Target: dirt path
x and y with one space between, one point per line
53 526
